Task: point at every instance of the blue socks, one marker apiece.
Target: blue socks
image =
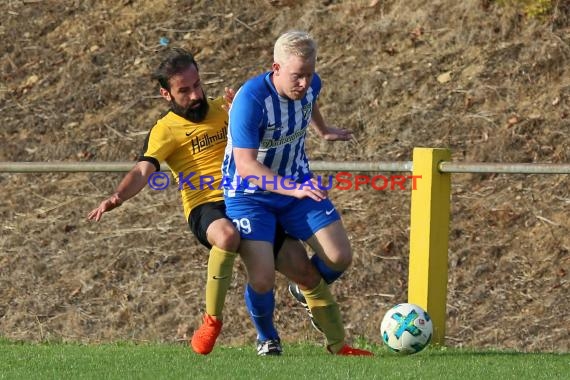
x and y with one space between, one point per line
261 307
327 273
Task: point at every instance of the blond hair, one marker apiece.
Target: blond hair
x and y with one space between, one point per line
294 42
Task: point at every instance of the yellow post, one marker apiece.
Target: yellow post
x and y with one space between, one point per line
429 233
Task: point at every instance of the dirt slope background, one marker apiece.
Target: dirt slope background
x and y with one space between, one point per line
486 81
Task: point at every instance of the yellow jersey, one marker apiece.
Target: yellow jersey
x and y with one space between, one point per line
193 151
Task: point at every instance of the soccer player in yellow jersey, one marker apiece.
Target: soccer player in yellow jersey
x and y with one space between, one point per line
191 139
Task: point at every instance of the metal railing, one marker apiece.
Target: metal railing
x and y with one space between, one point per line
354 166
77 167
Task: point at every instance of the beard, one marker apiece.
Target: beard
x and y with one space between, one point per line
195 115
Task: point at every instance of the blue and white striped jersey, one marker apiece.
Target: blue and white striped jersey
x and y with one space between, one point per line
262 119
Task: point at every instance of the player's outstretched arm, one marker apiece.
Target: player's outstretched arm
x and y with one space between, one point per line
131 184
326 132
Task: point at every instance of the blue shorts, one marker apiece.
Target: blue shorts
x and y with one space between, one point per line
255 215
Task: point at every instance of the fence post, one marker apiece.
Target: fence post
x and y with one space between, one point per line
429 233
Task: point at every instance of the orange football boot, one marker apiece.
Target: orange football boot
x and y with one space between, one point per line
204 338
346 350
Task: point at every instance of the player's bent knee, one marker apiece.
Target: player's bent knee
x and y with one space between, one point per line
262 285
345 261
341 261
227 239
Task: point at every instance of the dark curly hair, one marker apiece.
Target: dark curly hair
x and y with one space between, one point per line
176 61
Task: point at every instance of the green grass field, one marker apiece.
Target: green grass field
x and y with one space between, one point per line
299 361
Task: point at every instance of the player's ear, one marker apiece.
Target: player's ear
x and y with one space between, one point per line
276 67
165 94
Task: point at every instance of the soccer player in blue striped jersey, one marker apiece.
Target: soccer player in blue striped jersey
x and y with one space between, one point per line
268 181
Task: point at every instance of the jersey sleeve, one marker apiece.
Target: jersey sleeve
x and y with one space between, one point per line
158 145
246 117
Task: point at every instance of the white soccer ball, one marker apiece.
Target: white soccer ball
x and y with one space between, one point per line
406 329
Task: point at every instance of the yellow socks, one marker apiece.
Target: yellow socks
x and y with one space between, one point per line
220 268
327 315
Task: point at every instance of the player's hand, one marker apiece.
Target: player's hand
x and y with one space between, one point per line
229 95
337 134
311 188
107 205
